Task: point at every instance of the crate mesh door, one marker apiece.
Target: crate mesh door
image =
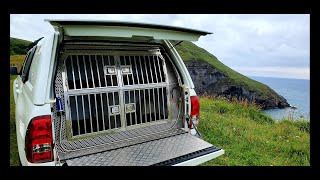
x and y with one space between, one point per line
149 104
137 70
90 71
107 92
145 105
94 112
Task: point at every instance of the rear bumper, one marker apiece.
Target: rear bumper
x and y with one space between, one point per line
193 158
201 159
53 163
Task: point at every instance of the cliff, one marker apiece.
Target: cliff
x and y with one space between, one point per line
211 77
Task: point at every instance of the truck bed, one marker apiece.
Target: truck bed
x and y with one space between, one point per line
122 108
114 98
71 149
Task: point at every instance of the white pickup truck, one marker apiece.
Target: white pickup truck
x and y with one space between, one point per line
101 93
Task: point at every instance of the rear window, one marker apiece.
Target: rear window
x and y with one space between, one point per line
25 69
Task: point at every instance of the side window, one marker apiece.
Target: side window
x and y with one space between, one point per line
27 63
24 62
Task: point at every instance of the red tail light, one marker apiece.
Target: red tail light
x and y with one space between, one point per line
195 106
195 110
39 143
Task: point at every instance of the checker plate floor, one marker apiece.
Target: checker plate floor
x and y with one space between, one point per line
147 153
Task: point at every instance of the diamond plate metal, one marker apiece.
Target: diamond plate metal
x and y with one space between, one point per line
102 146
144 154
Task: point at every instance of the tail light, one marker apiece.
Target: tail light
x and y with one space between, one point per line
195 110
39 144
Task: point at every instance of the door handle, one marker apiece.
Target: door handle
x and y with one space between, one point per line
18 91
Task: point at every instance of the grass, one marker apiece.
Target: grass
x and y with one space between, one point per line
17 60
14 156
251 138
191 52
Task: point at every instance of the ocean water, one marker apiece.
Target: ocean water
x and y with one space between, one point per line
295 91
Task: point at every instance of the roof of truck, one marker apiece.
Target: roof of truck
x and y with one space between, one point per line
124 24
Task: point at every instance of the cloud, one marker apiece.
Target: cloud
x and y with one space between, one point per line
284 72
253 41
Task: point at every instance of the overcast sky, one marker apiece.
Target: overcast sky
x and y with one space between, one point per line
254 45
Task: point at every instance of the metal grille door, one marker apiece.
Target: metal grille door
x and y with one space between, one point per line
145 105
91 71
142 70
111 92
94 112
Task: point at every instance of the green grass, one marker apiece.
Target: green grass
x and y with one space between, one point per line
251 138
191 52
14 156
17 60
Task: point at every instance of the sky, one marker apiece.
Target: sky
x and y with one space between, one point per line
271 45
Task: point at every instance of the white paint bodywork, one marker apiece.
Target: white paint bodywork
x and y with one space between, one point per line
30 97
107 31
25 111
40 70
34 97
92 28
180 65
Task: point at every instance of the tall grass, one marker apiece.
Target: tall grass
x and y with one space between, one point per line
14 156
17 60
249 137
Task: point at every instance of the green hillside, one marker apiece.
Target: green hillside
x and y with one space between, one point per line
19 46
191 52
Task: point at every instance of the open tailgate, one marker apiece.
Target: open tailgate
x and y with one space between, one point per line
89 28
183 149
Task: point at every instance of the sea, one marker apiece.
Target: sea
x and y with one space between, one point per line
295 91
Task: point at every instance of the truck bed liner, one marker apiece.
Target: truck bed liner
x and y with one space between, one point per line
105 143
